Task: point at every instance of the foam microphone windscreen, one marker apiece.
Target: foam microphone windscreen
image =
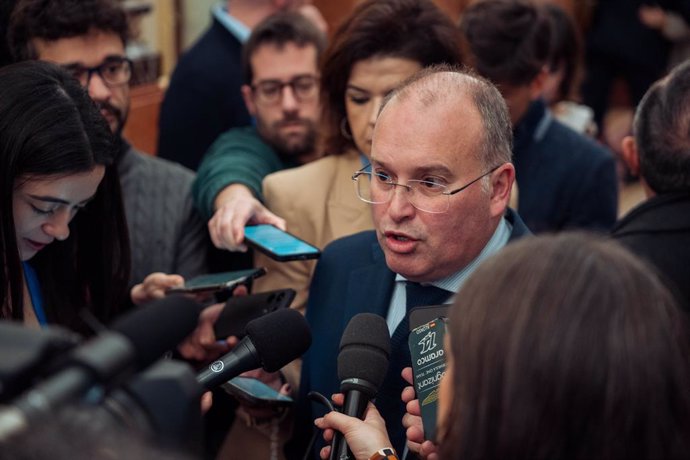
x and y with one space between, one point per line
364 349
279 337
158 327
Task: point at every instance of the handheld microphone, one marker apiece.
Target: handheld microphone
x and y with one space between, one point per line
135 341
272 341
162 403
362 365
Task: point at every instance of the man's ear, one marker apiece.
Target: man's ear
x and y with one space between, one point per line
536 86
248 100
501 185
630 155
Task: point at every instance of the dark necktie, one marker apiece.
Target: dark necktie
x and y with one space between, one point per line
388 400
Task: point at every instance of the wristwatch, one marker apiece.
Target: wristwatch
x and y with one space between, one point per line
387 453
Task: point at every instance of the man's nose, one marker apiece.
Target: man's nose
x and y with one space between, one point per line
289 100
98 89
399 206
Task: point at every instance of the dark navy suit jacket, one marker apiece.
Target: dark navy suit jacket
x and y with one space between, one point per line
565 180
204 98
351 277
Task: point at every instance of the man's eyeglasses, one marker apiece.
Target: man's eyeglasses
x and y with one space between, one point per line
270 92
427 196
114 71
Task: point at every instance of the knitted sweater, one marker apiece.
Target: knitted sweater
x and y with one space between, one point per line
166 234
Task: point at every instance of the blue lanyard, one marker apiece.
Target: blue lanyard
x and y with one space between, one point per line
35 293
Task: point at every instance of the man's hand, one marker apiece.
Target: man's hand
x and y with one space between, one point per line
235 208
202 345
412 421
364 437
154 287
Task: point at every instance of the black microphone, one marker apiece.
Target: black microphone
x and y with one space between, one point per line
25 352
162 403
362 365
134 342
272 341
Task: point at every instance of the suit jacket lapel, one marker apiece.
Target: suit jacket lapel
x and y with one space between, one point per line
369 288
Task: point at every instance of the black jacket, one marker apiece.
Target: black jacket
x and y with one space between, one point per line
658 230
204 98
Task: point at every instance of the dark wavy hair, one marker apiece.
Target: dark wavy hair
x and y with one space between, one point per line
409 29
52 20
280 29
567 347
662 133
50 127
508 41
566 51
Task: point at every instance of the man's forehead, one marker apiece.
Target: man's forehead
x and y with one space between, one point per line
89 49
446 134
266 61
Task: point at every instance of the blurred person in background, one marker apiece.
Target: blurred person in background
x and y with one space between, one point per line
565 179
204 98
658 229
561 88
281 89
621 43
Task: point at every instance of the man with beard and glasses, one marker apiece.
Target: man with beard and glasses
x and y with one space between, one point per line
204 93
280 66
88 37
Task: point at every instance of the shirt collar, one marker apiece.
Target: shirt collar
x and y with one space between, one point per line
240 31
454 282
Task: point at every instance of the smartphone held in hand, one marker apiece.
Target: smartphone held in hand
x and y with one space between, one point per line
278 244
428 367
218 281
256 393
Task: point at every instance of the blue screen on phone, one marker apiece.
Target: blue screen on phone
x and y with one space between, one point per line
278 241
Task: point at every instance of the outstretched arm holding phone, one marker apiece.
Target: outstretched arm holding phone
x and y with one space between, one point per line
235 207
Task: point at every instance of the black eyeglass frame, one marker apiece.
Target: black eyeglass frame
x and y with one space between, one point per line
72 68
314 79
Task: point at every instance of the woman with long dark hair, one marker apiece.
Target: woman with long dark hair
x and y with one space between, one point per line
63 237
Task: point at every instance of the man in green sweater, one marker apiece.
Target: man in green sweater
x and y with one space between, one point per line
281 91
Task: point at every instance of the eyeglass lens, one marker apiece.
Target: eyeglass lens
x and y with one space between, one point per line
271 91
114 71
425 196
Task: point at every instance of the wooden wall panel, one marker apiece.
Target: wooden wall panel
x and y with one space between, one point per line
334 11
141 129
